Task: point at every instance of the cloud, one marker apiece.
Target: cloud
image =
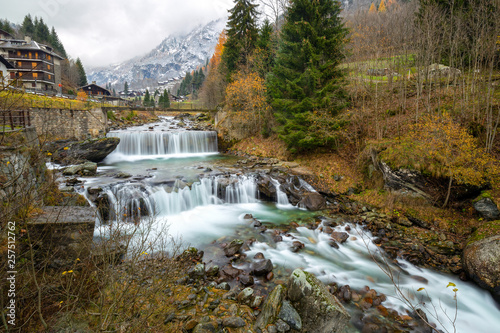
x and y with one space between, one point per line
102 32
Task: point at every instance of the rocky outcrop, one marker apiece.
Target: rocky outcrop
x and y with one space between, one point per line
313 201
319 310
487 208
481 258
85 169
271 307
72 152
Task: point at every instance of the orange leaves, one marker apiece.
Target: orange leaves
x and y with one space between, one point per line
219 50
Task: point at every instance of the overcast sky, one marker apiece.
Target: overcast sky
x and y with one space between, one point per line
102 32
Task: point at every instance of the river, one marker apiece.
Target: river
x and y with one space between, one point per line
176 177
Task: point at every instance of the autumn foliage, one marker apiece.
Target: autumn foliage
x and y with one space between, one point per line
439 146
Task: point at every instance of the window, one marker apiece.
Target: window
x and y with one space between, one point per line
18 53
36 55
48 67
50 77
19 64
30 55
35 75
33 65
20 74
48 57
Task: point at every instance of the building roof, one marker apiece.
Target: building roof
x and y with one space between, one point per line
95 86
21 44
6 63
6 34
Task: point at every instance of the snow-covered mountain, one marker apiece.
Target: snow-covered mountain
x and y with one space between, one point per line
171 59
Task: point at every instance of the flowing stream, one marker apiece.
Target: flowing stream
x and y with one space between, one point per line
178 177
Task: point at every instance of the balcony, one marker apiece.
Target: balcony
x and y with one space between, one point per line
41 77
28 66
25 56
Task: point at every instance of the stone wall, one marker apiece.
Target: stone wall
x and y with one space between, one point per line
69 124
60 235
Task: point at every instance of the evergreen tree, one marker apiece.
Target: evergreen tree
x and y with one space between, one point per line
266 49
125 88
56 43
242 35
5 25
146 100
166 99
82 80
42 33
306 78
114 92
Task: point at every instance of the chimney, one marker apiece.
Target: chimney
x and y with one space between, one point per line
93 82
27 39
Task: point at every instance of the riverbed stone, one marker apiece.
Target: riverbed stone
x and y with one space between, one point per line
290 316
271 307
319 310
87 169
313 201
262 267
232 248
233 322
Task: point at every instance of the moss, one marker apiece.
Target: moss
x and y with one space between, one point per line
485 230
484 194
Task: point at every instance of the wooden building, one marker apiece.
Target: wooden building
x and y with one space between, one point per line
94 90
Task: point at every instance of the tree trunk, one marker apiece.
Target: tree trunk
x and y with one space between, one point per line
449 191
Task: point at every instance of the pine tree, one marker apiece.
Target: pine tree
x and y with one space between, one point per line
265 49
166 99
82 80
146 101
56 43
42 33
242 35
28 28
125 88
5 25
114 92
306 78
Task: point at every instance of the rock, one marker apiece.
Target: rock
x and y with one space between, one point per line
71 152
224 286
290 316
246 280
122 175
230 271
197 271
191 324
487 208
232 248
296 246
259 255
209 327
233 322
319 310
281 326
481 262
313 201
213 271
245 296
87 168
262 267
271 307
340 237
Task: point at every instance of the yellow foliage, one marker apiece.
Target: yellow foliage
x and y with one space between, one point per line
81 96
382 8
372 9
441 147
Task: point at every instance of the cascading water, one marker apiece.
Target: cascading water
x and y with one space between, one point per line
281 197
165 143
201 205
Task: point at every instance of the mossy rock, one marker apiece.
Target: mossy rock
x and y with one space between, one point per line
487 229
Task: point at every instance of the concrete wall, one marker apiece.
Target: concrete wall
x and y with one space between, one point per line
69 124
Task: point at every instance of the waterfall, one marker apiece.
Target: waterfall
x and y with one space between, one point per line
165 143
131 201
281 197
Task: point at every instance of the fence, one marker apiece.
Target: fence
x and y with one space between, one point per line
15 118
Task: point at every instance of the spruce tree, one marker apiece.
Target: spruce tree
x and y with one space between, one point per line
306 79
125 88
56 43
42 33
146 99
82 77
27 27
242 35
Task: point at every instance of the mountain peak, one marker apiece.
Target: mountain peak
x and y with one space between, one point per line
172 58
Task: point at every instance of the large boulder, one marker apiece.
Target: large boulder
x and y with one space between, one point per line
72 152
313 201
487 208
481 257
319 310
